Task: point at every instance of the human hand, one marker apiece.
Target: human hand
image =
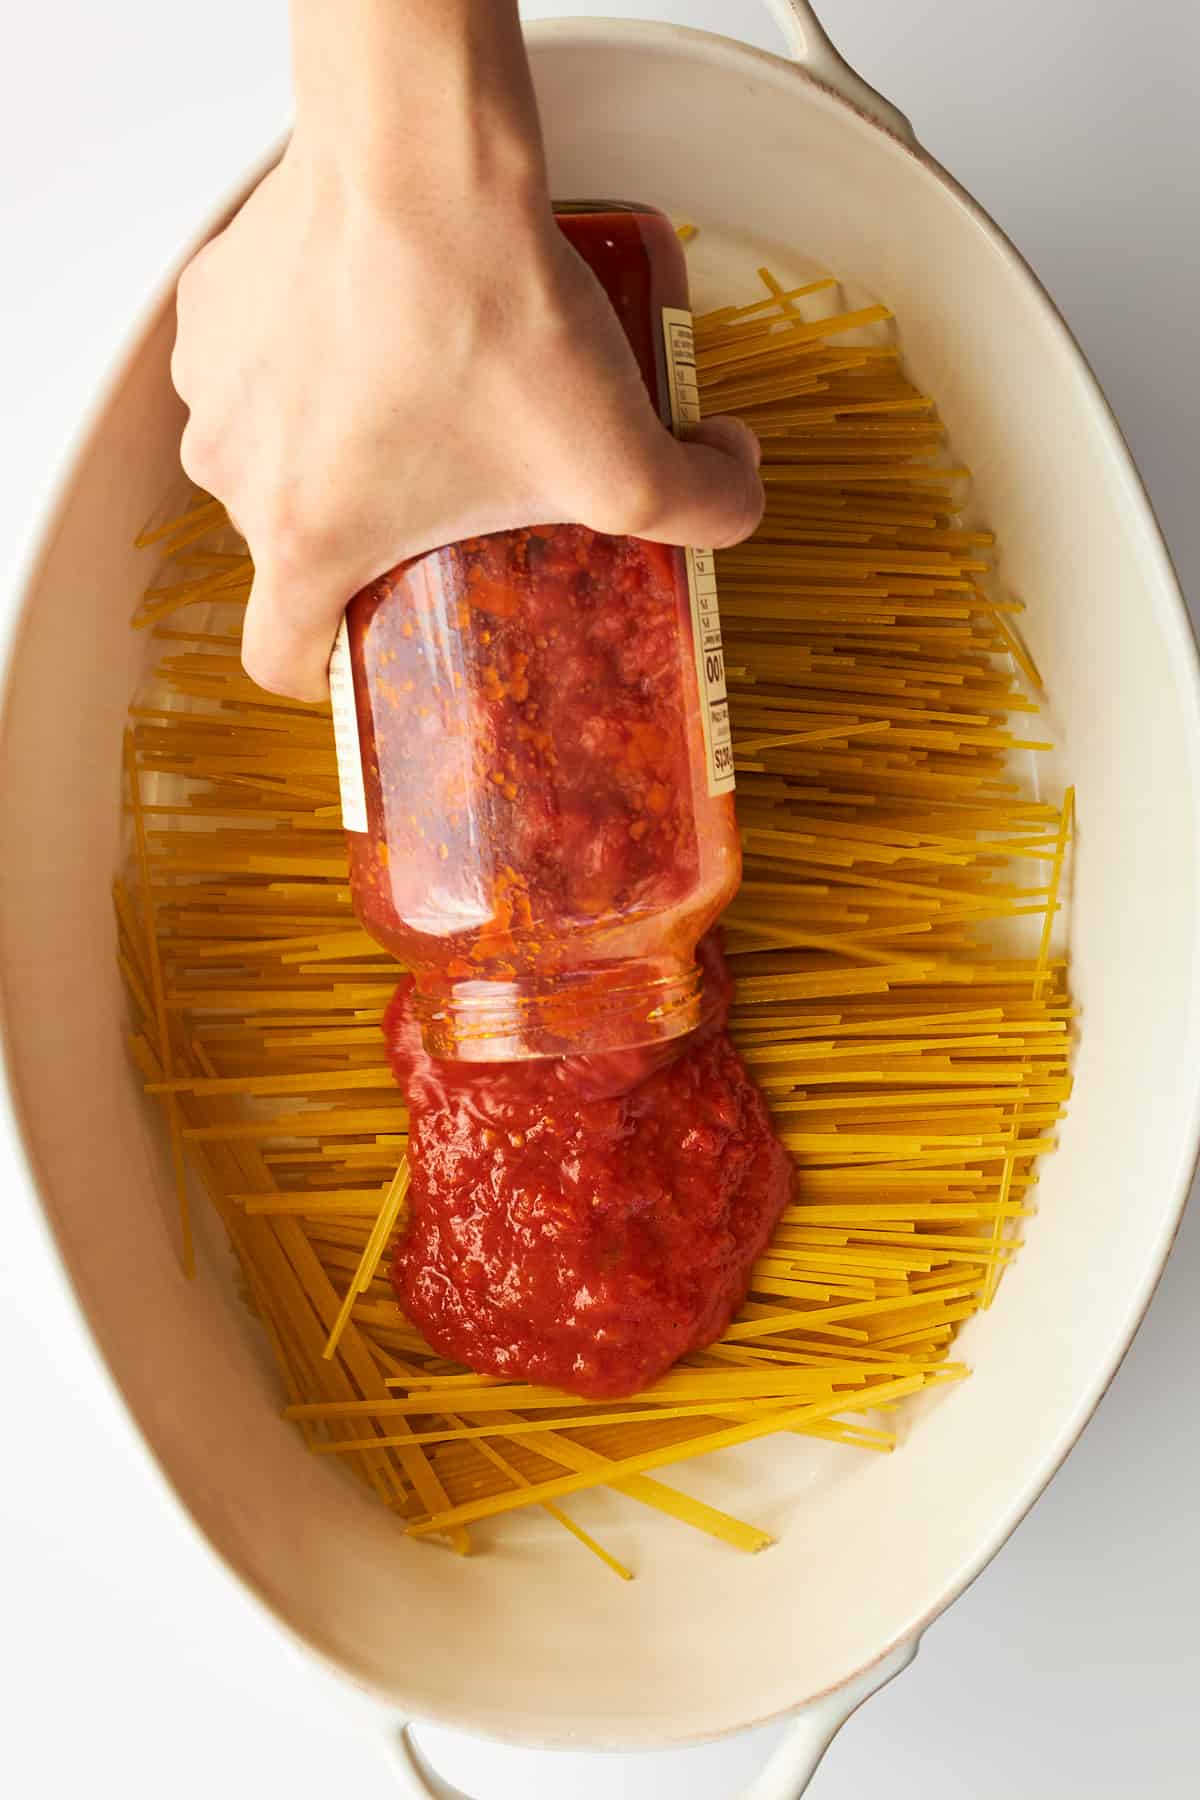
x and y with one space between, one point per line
368 380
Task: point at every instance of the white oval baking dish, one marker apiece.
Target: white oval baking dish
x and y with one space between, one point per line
773 158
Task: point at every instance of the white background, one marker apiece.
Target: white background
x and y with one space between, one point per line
131 1661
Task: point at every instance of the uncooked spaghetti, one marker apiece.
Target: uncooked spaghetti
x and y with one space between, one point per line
916 1069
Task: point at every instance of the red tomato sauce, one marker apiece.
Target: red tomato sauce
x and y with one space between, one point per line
584 1222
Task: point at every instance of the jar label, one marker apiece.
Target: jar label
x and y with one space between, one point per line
345 733
701 569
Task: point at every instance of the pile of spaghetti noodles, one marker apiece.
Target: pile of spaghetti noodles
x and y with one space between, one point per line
916 1070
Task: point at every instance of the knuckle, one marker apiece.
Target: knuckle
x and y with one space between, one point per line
180 365
642 505
747 509
270 666
267 673
199 452
296 537
265 668
192 279
632 504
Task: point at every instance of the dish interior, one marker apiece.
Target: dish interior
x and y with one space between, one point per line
518 1643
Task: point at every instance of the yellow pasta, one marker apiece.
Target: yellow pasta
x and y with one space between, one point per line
900 996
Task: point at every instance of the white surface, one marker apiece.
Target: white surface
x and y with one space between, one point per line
1069 1667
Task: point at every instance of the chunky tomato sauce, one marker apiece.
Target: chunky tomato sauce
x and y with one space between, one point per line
584 1221
541 806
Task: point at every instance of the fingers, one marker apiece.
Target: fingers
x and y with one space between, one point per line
735 509
704 490
293 612
291 621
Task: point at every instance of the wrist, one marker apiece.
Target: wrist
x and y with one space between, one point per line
423 103
487 166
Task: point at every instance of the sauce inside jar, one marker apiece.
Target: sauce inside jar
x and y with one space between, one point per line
545 845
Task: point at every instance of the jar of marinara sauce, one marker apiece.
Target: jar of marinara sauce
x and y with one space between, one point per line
534 749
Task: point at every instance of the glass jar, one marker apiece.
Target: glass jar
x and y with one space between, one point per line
543 828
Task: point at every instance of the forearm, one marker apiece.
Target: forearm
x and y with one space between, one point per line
427 97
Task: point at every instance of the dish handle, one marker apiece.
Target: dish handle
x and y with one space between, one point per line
786 1775
812 49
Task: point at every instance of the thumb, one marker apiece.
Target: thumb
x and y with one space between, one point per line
705 489
292 618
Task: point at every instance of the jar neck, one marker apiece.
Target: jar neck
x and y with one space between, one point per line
582 1012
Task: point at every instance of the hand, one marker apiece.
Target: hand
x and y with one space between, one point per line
368 379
